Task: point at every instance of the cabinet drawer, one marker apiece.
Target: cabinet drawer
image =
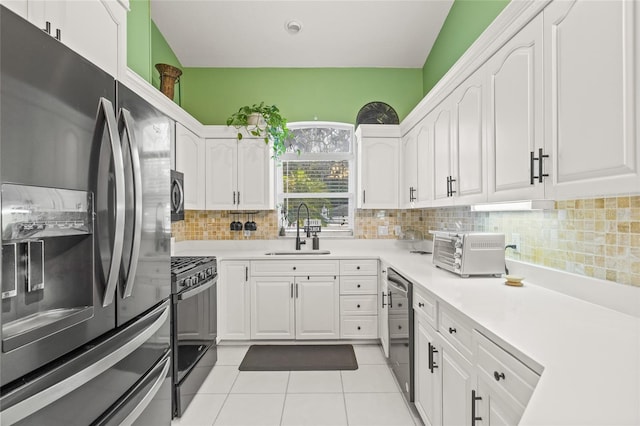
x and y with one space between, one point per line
359 305
359 285
399 327
505 373
302 267
398 305
424 304
359 327
359 267
456 331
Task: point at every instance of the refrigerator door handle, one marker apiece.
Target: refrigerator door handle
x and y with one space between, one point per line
108 116
114 416
124 126
38 401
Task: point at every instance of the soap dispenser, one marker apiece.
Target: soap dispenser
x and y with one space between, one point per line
316 241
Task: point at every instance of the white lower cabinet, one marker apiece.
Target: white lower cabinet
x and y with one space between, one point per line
317 307
461 375
285 305
272 308
359 299
457 384
234 300
428 378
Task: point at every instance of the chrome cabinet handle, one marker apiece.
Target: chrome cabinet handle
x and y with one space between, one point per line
47 27
498 376
124 127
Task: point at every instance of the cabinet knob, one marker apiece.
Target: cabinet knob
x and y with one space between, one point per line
420 305
452 330
498 376
399 327
358 306
358 286
294 268
358 327
358 268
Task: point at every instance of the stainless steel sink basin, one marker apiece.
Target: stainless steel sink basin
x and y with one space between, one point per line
297 252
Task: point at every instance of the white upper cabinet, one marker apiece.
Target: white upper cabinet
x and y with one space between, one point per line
441 121
190 160
239 174
96 29
417 170
591 79
515 121
378 166
469 178
424 140
255 175
409 170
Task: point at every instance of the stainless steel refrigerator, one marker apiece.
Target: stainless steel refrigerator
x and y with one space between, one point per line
84 171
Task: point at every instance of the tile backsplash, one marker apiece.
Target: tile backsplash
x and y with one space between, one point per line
597 237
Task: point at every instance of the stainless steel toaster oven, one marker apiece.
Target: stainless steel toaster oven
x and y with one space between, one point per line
469 253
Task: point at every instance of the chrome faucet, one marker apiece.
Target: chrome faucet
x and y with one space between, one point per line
298 242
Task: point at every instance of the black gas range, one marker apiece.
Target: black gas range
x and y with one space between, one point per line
193 325
191 271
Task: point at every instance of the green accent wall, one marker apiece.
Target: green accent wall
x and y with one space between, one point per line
467 19
301 94
139 38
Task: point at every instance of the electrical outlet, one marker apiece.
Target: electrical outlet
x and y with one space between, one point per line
247 233
515 240
397 229
383 230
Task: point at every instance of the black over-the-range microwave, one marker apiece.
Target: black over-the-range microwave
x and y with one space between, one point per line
177 196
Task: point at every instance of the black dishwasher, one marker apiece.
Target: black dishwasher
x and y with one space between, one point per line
401 331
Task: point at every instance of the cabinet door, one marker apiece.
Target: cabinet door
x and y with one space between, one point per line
234 300
378 173
408 189
424 155
493 408
442 158
190 160
90 27
383 310
469 142
428 384
255 175
457 384
272 308
591 80
317 307
221 174
515 128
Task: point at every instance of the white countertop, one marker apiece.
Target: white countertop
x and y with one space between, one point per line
589 355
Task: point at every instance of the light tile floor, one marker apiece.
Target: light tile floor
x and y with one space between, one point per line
368 396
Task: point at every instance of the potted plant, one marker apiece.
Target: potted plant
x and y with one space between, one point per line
263 121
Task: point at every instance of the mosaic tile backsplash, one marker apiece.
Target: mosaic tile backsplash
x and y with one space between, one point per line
597 237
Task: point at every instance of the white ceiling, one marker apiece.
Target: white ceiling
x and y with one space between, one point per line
335 33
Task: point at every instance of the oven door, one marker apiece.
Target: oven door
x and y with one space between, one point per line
194 340
177 196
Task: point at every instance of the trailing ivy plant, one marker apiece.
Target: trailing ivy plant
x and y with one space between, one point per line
271 127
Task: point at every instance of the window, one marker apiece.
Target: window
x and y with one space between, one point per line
318 169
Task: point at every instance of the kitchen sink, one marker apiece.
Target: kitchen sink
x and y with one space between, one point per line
297 252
